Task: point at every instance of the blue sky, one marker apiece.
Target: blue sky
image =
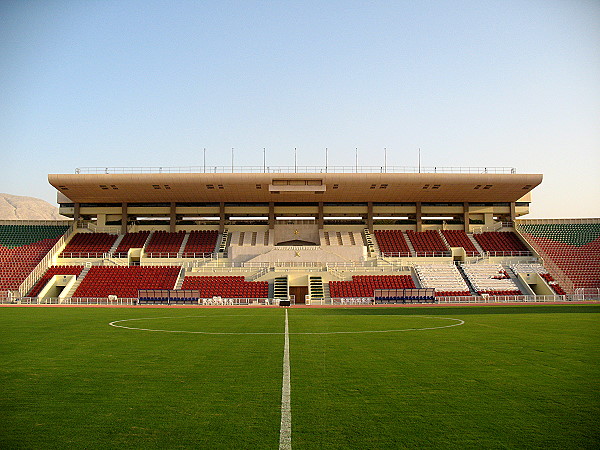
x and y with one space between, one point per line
471 83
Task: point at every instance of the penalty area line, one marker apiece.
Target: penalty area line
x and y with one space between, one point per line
285 432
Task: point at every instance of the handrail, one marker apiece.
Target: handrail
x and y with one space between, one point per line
37 222
46 261
295 169
557 221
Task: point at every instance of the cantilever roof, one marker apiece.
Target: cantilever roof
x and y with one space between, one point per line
294 187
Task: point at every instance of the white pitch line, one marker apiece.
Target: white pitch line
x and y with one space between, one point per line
117 325
285 433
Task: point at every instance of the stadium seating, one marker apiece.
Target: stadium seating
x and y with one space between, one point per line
131 240
444 278
498 243
55 270
490 279
392 243
89 245
427 243
200 243
573 247
226 287
365 285
164 244
458 238
124 282
22 247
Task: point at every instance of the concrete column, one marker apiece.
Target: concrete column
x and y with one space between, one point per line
172 217
124 218
466 216
320 220
76 209
418 216
271 215
513 212
221 217
370 216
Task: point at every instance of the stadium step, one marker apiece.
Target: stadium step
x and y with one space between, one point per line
281 288
148 239
116 244
180 279
524 288
223 243
466 278
80 278
410 246
443 238
183 244
476 244
315 289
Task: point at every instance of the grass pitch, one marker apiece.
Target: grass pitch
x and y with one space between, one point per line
509 377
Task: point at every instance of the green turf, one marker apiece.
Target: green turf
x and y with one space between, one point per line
510 377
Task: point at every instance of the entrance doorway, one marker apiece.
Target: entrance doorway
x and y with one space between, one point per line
300 292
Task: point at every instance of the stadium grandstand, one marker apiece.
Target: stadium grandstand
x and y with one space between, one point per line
304 235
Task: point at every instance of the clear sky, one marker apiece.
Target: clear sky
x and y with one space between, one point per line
149 83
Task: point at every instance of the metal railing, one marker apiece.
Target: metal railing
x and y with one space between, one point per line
294 169
37 222
557 221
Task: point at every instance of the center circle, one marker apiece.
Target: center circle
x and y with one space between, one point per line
215 323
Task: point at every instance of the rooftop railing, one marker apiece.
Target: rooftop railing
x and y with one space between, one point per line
294 169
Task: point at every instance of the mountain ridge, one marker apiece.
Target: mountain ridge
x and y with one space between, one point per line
19 207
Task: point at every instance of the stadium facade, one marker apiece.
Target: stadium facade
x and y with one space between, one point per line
320 235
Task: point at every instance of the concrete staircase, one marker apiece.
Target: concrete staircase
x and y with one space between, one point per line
183 244
281 289
466 278
116 244
410 246
78 282
476 244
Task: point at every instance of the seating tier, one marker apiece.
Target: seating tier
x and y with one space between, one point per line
124 282
55 270
89 245
164 244
490 279
392 243
200 243
22 247
131 240
574 248
501 243
444 278
365 285
458 238
226 287
427 243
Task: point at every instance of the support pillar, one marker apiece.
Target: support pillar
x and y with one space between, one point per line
172 217
221 217
124 218
370 216
76 210
271 215
320 220
466 217
418 217
513 212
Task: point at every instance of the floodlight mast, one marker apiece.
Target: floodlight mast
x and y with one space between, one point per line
385 159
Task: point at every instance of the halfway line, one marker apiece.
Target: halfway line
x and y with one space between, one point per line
285 433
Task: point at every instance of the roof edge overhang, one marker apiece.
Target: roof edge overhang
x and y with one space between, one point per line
326 187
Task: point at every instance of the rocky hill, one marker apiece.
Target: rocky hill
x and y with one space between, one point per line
16 207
